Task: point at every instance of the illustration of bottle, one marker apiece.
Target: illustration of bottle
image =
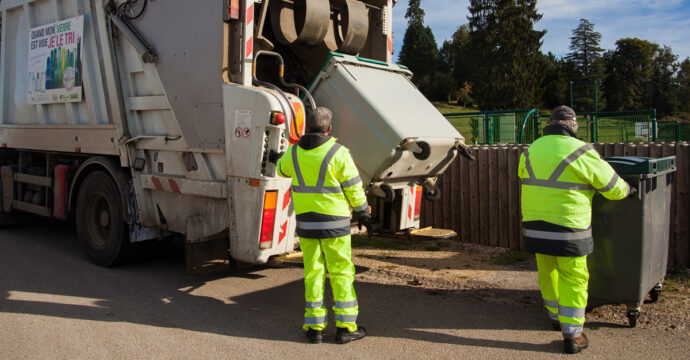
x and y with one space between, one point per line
77 64
31 83
63 65
49 73
56 69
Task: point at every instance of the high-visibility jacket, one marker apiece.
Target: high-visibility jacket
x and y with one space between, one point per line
325 184
560 174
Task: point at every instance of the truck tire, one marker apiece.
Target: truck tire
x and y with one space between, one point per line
99 219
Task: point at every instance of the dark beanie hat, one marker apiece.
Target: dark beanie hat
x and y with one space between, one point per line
565 116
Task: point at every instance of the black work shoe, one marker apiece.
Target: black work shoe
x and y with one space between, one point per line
556 325
573 346
315 336
344 335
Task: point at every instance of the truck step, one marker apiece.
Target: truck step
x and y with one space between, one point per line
31 208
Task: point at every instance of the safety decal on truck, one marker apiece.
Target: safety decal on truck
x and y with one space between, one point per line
55 62
243 123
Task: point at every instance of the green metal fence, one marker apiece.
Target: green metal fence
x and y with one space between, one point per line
526 125
633 126
683 132
491 127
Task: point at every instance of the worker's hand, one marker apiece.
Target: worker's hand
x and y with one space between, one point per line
274 156
366 221
631 191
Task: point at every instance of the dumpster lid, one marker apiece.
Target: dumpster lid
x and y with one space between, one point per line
634 165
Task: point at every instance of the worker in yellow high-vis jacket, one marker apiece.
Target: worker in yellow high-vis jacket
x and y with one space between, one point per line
325 185
560 174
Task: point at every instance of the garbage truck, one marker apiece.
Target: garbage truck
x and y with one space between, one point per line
138 119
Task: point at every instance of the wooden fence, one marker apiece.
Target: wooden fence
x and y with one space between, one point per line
481 199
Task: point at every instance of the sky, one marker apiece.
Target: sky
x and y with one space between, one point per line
665 22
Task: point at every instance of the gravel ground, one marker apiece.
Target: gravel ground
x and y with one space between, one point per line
452 268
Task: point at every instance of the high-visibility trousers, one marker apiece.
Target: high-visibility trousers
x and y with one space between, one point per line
334 255
563 283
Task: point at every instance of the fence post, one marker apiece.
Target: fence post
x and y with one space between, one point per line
654 125
487 131
677 131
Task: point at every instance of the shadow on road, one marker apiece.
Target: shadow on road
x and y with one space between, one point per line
44 272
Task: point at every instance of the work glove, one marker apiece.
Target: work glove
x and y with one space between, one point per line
631 191
366 221
274 156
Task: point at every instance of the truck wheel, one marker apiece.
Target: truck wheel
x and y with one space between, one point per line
100 225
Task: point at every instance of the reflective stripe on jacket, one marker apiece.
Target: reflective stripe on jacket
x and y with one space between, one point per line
560 175
325 184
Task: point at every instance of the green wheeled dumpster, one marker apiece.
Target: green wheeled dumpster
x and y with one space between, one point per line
631 236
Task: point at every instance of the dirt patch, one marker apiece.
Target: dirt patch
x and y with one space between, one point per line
431 264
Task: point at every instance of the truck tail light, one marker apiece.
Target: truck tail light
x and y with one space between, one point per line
418 202
268 220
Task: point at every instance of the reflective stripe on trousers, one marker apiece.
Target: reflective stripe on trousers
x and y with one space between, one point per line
565 280
551 309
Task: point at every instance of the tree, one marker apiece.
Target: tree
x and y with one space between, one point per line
683 80
586 55
505 73
662 88
585 50
419 51
640 75
456 55
465 95
555 83
415 13
420 54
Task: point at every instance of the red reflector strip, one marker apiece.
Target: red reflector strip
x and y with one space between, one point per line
157 183
283 232
286 200
250 47
418 201
60 192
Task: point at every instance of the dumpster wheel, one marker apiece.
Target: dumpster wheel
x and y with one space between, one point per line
654 294
633 315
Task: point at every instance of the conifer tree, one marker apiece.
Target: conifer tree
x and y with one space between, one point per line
586 56
421 55
506 71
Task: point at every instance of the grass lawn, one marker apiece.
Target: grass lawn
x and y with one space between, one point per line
446 108
462 124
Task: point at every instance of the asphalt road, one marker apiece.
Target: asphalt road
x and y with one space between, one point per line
54 304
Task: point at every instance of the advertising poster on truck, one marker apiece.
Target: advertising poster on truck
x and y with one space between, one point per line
55 64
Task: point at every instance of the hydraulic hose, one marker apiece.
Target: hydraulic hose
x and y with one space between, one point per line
281 75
